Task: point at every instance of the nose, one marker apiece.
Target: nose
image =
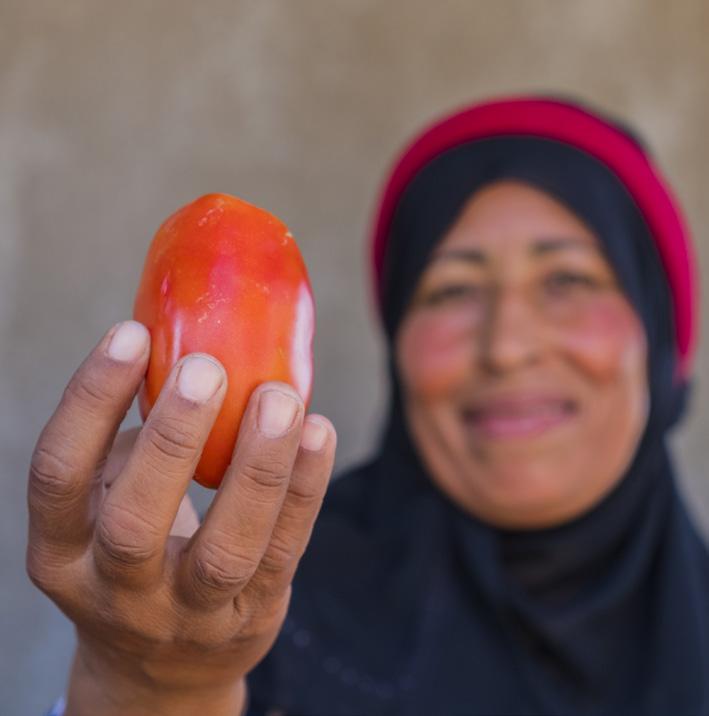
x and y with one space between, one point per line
512 337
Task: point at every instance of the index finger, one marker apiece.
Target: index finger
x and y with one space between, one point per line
138 511
78 436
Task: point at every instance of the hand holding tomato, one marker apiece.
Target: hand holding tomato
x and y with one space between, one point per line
167 623
170 621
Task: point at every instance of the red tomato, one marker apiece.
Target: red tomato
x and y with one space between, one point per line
226 278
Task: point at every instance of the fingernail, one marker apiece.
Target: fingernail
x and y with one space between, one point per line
128 342
276 412
199 379
314 435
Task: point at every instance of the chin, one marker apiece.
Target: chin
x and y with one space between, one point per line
520 497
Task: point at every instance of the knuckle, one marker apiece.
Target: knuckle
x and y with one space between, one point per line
37 571
50 475
172 438
88 389
124 537
38 576
268 473
217 568
280 554
261 616
302 500
44 570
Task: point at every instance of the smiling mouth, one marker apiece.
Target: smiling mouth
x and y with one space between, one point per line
518 419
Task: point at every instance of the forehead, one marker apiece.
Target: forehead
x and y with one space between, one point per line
511 216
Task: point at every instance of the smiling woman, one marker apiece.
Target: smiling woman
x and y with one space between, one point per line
523 362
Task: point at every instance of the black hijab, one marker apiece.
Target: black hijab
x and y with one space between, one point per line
405 604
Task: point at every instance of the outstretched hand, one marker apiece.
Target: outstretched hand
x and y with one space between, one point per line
168 612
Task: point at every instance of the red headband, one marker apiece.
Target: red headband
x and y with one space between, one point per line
550 119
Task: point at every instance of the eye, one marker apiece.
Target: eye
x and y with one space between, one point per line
452 292
564 281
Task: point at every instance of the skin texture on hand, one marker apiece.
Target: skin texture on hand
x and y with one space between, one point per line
170 615
186 521
93 692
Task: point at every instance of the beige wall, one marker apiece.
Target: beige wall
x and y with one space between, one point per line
114 114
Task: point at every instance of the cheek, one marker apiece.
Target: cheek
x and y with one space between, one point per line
435 354
606 340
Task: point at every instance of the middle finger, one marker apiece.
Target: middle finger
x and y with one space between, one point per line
227 548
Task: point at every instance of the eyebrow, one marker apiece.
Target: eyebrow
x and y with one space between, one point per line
468 255
546 246
540 248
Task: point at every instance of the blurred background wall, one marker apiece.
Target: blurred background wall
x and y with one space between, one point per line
112 115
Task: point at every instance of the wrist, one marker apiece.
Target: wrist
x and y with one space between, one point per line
100 689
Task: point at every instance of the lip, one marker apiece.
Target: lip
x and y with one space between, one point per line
518 416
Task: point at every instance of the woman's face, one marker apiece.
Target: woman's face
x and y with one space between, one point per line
523 365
